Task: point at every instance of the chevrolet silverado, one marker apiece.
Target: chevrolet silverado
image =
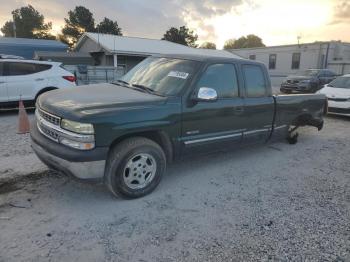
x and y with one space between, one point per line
166 107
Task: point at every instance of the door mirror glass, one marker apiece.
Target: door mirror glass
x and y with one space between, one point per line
207 94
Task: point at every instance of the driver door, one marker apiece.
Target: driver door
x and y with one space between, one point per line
212 124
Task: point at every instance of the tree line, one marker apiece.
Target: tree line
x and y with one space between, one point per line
29 23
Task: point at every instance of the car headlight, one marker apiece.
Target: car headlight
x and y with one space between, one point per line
76 127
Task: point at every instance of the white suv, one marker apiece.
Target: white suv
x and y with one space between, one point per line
27 79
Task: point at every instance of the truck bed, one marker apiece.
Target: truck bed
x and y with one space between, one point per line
300 110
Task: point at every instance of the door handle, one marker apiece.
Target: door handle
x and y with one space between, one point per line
39 79
2 82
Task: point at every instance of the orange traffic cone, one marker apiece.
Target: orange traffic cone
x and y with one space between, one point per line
23 121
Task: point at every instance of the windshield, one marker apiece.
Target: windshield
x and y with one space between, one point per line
341 82
165 76
309 72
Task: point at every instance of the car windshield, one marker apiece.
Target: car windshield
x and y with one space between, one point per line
164 76
309 72
341 82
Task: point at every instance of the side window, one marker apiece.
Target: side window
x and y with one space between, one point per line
17 68
322 73
1 68
255 83
295 60
41 67
272 61
222 78
330 73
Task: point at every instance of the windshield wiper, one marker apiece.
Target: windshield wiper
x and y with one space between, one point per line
122 82
147 89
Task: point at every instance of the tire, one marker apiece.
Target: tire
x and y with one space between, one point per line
134 167
292 140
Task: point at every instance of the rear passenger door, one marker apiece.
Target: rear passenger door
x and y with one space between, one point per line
258 104
3 89
24 79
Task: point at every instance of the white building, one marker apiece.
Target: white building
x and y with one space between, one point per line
289 59
125 52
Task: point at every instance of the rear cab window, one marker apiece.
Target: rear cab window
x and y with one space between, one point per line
18 68
254 81
222 78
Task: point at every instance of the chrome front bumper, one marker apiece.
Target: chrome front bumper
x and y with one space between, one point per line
82 170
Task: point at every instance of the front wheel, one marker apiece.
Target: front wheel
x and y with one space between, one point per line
134 167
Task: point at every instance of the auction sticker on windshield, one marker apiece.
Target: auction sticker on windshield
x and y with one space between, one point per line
178 74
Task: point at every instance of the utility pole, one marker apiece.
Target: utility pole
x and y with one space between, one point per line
298 37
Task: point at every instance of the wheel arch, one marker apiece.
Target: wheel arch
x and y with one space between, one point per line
159 137
307 119
43 90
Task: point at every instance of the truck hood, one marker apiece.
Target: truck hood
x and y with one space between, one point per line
80 102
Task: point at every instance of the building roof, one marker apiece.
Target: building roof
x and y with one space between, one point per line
67 58
31 42
62 54
290 45
144 46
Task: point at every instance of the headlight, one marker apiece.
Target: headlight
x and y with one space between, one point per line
76 127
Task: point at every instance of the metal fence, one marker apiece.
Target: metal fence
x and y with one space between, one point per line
95 74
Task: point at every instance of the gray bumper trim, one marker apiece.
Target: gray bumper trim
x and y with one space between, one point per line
82 170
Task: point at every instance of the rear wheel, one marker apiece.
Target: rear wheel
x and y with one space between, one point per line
134 167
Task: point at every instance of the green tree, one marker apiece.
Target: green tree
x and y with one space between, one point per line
248 41
182 35
107 26
29 23
79 20
208 45
229 44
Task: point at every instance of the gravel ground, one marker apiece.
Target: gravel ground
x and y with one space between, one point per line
275 202
16 156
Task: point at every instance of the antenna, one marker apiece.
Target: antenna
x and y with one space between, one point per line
299 37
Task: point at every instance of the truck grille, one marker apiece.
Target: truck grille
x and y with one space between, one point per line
50 133
337 99
292 81
339 110
49 117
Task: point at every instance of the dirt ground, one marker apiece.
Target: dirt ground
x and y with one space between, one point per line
275 202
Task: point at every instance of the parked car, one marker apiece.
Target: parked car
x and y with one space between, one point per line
5 56
27 79
308 81
338 94
164 108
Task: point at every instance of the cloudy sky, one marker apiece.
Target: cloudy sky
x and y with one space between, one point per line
275 21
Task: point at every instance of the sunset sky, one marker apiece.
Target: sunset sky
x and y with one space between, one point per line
275 21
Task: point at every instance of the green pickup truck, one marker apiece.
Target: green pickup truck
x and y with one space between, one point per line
164 108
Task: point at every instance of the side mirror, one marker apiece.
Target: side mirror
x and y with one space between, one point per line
206 94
